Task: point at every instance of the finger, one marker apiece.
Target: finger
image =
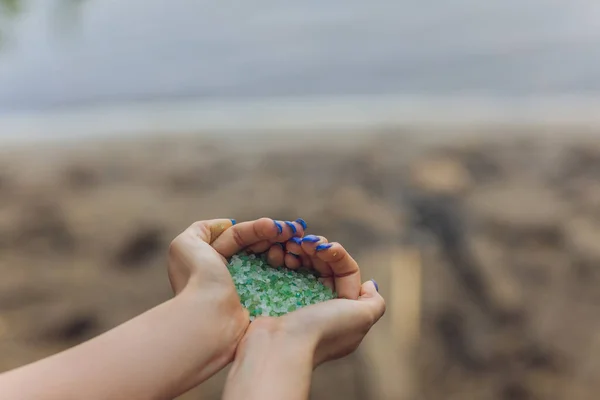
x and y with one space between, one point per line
275 255
307 261
298 227
245 234
259 247
369 294
292 261
210 230
289 229
325 273
345 270
302 224
310 243
294 247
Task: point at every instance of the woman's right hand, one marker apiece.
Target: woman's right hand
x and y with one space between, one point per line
334 328
276 356
329 330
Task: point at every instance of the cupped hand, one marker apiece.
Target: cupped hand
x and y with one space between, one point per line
329 330
197 269
334 265
198 256
334 328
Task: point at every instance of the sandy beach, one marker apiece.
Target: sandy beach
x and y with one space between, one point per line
505 227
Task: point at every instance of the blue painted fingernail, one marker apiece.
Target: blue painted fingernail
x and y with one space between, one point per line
296 240
292 226
376 285
233 222
311 239
295 255
302 222
323 246
279 227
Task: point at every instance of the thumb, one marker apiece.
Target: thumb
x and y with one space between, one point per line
369 294
208 231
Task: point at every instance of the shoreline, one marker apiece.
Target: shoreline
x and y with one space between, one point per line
330 116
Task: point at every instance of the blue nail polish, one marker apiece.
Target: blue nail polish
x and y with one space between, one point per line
233 222
311 239
296 240
292 226
376 285
323 246
279 227
302 222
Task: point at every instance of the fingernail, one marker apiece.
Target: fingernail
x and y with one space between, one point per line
311 239
233 222
296 240
279 227
323 246
292 226
295 255
376 285
302 222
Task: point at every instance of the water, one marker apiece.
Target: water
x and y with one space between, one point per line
211 52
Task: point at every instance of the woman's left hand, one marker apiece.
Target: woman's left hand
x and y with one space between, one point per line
172 347
198 268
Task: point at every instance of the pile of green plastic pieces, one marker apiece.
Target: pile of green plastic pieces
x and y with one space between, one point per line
268 291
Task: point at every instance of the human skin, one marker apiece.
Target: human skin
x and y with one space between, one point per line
180 343
172 347
276 357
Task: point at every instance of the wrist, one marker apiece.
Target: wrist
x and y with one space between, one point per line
216 303
275 336
264 359
225 318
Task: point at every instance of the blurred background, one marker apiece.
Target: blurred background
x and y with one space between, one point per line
451 146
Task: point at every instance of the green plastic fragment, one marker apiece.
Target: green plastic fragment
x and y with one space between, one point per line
268 291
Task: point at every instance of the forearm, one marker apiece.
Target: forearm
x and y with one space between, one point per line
267 366
159 354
